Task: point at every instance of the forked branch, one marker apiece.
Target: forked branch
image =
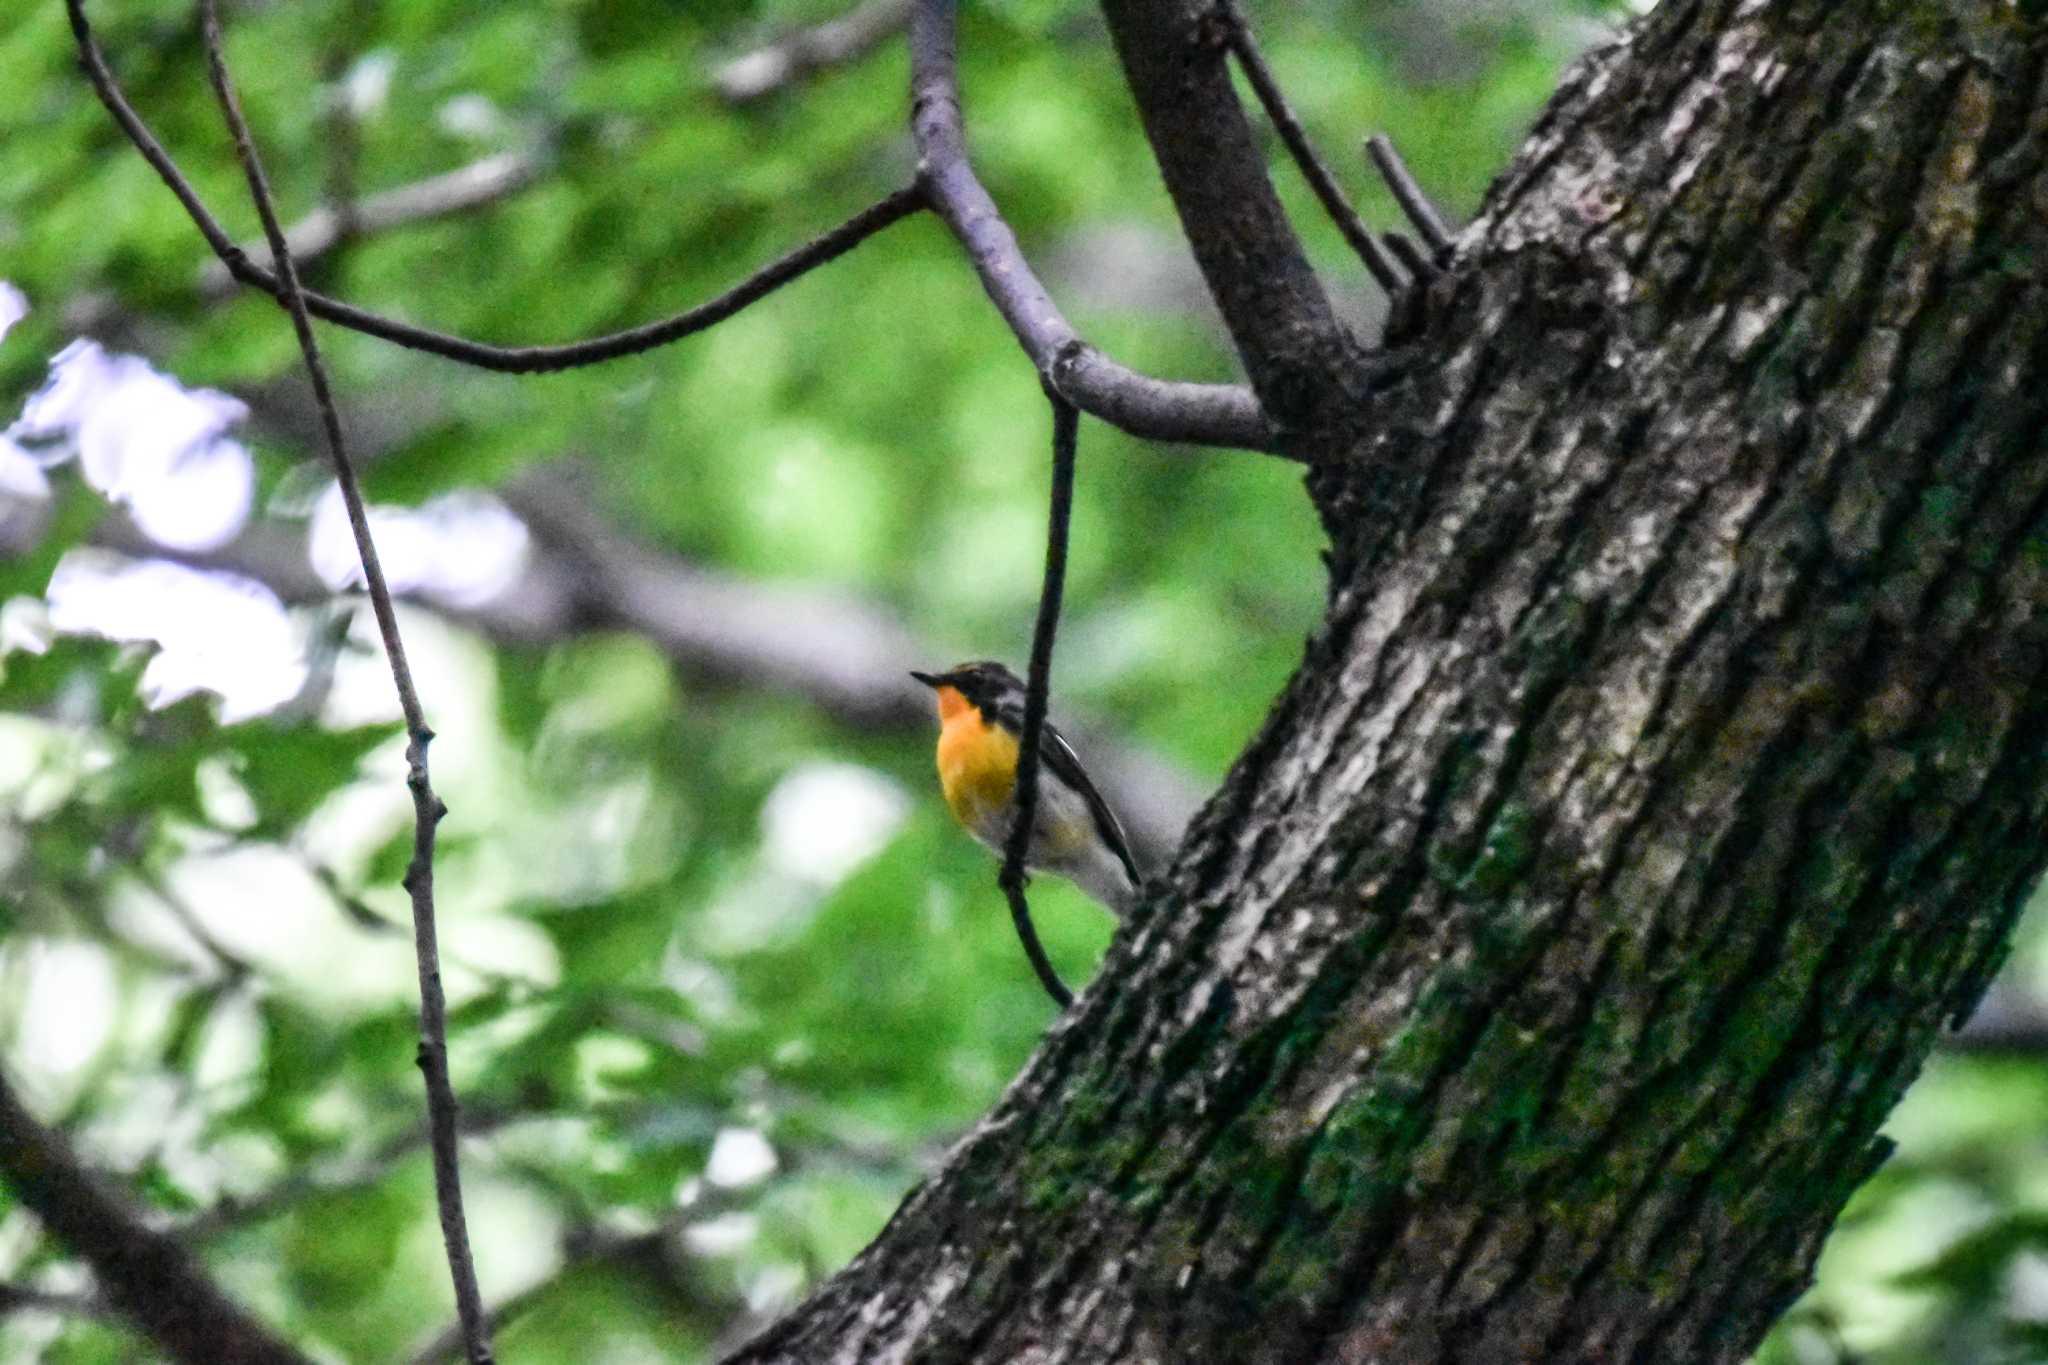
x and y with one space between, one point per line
827 247
1206 414
1303 362
427 807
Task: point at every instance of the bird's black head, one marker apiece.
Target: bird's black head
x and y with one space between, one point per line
983 682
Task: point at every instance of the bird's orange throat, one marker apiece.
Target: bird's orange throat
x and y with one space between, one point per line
977 761
953 705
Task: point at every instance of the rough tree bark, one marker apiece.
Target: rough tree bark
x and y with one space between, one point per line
1664 778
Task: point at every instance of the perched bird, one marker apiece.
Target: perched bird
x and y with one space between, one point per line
981 722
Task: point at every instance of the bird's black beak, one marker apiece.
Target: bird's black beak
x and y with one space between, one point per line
929 679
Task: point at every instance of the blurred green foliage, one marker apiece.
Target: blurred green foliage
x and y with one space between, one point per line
708 1029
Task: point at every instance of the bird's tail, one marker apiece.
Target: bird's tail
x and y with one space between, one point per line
1104 877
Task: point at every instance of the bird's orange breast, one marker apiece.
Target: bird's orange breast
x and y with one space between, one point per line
977 761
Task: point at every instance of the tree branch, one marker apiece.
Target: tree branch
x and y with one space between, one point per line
776 66
1207 414
1313 169
510 359
1301 360
153 1281
468 187
1037 687
427 807
1409 194
745 79
1210 414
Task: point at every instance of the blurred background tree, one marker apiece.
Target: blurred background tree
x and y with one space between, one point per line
725 979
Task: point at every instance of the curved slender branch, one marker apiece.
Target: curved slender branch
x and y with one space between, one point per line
751 76
1211 414
427 807
1037 686
828 246
1206 414
1159 409
153 1281
1313 169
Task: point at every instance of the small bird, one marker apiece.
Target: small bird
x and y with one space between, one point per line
981 723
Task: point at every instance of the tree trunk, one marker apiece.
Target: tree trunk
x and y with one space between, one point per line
1666 774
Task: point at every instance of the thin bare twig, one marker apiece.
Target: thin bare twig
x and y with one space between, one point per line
776 66
1408 194
1246 49
1037 687
509 359
153 1281
427 807
1206 414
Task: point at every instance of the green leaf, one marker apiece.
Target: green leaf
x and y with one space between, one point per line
340 1244
1976 1265
288 772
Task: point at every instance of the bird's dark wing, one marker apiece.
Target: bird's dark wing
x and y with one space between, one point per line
1057 756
